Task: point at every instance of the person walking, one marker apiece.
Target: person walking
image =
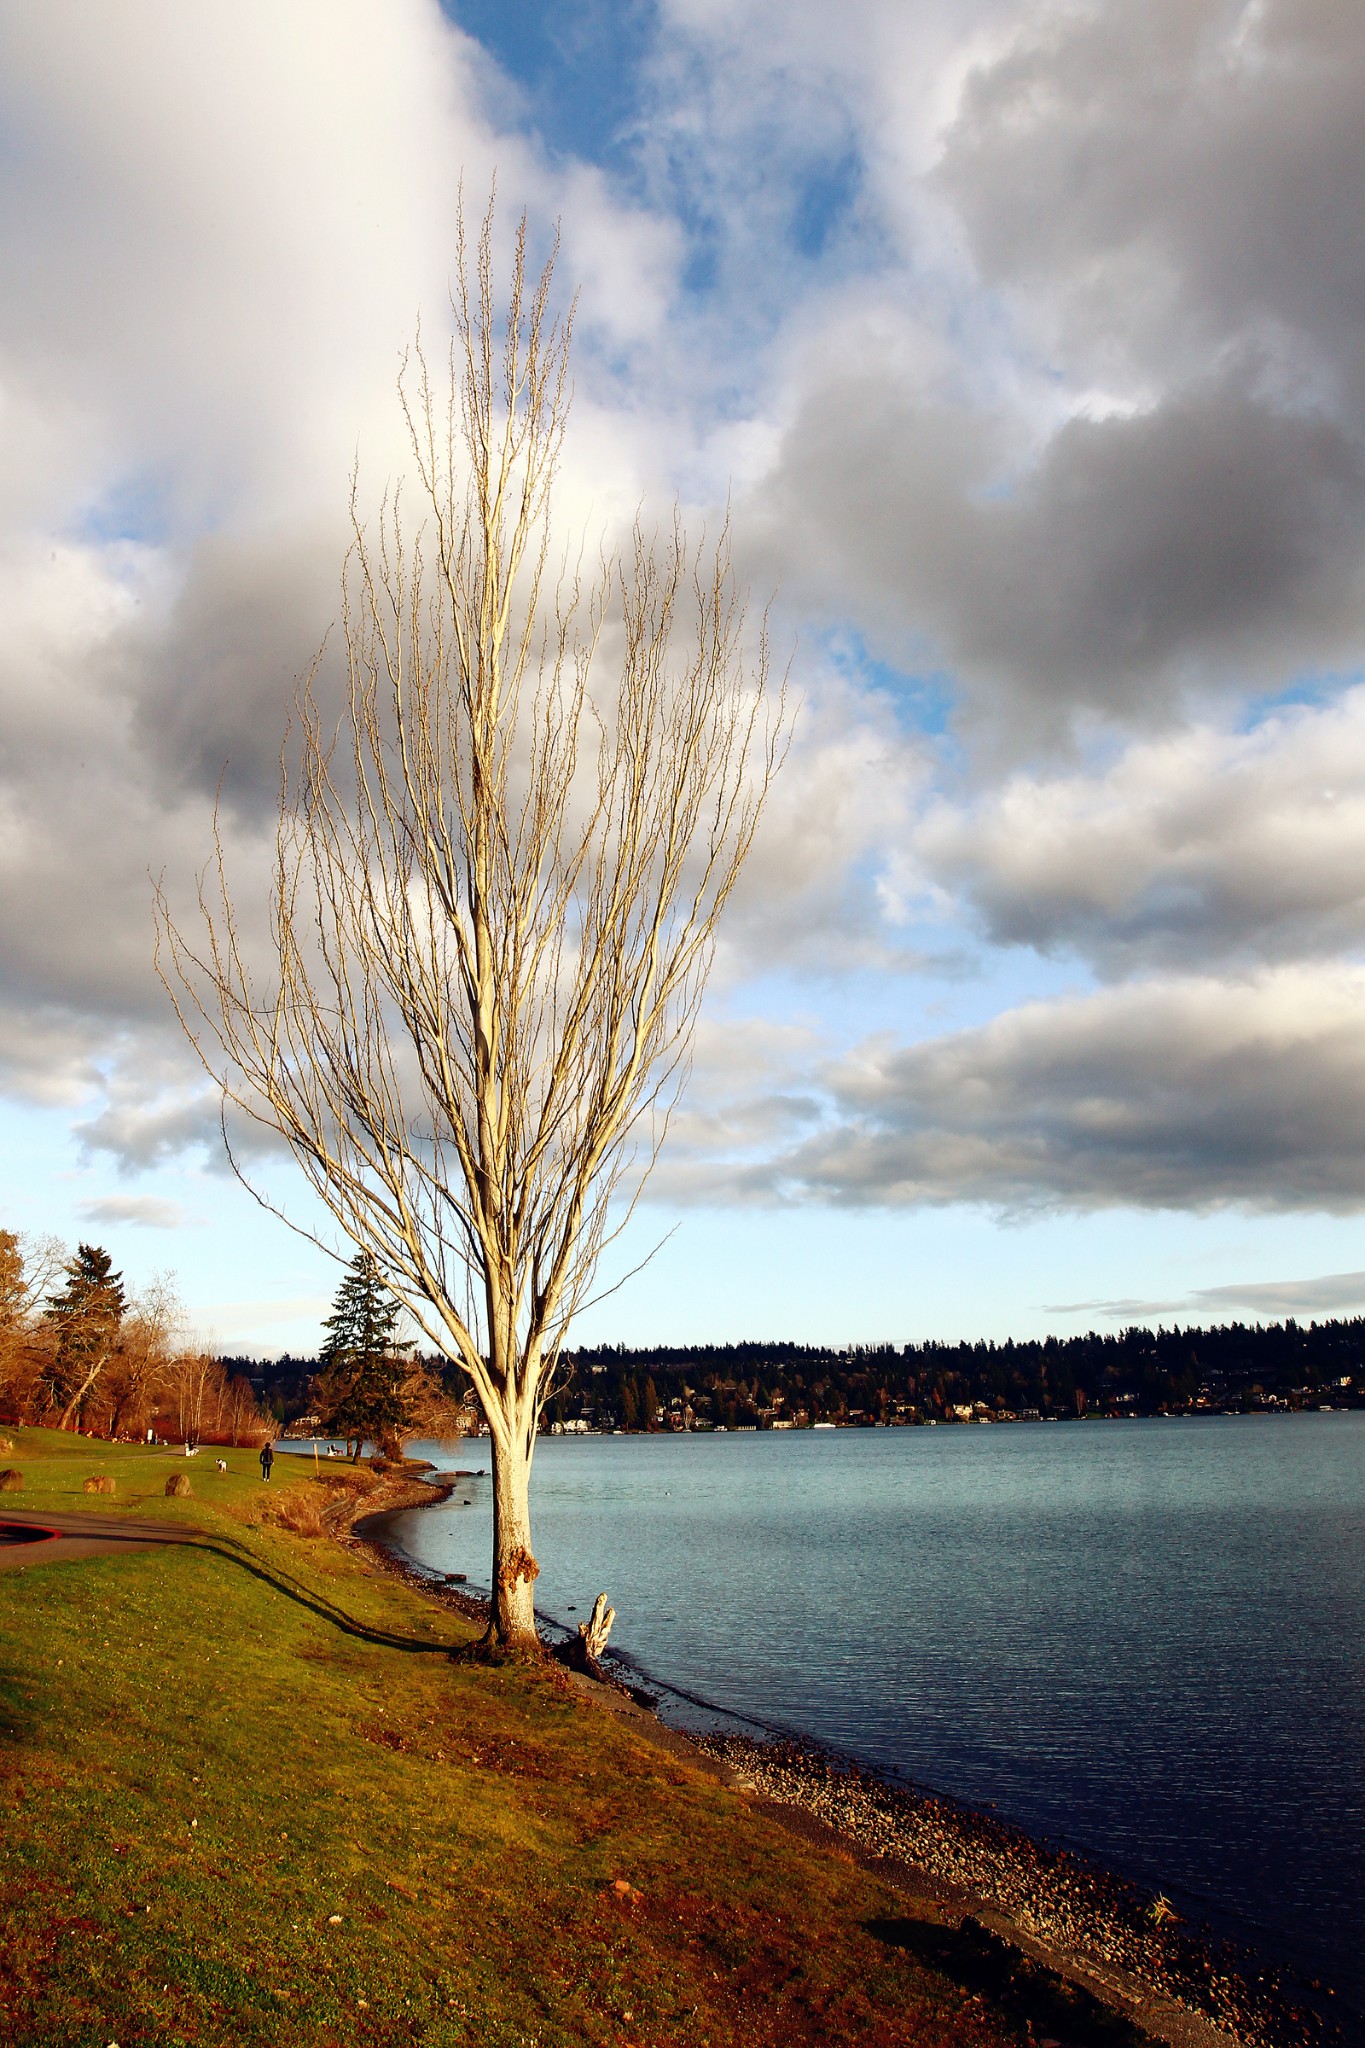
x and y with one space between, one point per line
267 1460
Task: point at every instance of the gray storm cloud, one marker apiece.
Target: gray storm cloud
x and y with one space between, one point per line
1159 202
1208 537
1182 1094
1165 178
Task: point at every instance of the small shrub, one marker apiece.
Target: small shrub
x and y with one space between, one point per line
104 1484
298 1508
354 1479
178 1487
11 1480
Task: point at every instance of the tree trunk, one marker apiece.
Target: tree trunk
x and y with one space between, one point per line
87 1383
513 1624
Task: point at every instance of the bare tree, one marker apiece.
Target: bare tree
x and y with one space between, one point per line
240 1409
28 1269
496 883
195 1381
145 1355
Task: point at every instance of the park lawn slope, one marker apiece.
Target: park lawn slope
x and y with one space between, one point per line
55 1467
248 1797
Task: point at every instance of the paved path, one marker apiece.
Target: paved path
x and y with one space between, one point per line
80 1536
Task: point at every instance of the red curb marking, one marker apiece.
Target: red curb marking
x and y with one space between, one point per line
28 1532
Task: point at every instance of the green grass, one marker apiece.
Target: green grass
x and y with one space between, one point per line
55 1468
207 1753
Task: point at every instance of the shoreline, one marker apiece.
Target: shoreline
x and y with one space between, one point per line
1092 1926
980 1876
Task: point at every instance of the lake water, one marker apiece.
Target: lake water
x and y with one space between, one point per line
1142 1639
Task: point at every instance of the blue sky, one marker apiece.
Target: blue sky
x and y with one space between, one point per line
1025 345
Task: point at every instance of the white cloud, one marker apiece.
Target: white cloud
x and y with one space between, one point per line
1200 847
1072 445
1174 1094
1329 1295
233 1324
217 228
151 1212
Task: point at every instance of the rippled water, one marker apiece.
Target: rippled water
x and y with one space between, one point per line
1142 1638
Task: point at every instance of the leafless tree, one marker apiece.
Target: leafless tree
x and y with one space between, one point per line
28 1269
239 1406
146 1355
195 1382
497 881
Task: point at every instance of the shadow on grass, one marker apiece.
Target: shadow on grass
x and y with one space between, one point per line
981 1962
282 1582
317 1604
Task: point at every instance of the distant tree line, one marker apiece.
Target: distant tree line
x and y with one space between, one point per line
79 1351
1231 1369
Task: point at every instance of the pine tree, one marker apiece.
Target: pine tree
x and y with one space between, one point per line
87 1316
360 1390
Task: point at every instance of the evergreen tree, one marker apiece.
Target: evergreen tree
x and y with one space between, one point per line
86 1316
360 1390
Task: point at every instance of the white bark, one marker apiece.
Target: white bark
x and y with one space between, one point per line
595 1630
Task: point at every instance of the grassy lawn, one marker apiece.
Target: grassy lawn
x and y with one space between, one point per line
247 1796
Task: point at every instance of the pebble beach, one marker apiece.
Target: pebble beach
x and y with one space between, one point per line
1129 1945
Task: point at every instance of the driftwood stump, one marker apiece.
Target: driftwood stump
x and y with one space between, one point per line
11 1480
583 1652
178 1486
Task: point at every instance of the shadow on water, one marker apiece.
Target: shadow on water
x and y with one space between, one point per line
985 1965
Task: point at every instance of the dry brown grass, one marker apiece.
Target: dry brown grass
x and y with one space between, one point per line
303 1513
351 1479
304 1506
300 1509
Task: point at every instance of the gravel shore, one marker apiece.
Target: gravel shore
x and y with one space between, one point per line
1126 1942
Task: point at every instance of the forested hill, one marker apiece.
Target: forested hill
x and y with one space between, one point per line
1234 1368
1231 1369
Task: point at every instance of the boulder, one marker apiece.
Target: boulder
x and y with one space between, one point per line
11 1480
178 1486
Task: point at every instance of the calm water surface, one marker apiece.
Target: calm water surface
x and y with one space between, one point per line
1143 1638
